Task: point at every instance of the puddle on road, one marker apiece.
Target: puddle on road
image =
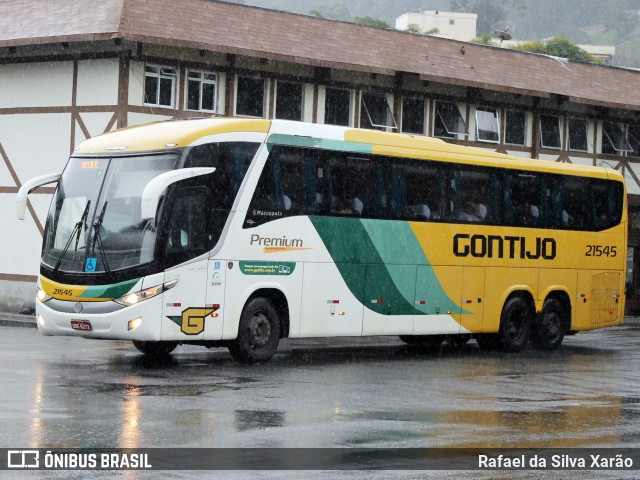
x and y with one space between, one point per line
258 419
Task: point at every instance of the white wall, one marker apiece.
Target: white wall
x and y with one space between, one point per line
98 82
36 143
46 84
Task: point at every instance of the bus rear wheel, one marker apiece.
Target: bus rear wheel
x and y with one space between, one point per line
548 331
155 349
515 324
258 333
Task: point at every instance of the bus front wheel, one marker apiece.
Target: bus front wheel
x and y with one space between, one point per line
155 349
548 331
258 333
515 324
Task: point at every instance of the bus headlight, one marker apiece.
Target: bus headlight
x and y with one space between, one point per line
135 323
137 297
41 295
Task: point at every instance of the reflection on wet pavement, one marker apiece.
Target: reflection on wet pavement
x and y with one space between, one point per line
69 392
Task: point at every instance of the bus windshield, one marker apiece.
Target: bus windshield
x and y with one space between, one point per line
94 223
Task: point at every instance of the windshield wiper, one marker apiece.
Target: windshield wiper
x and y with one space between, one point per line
97 238
77 231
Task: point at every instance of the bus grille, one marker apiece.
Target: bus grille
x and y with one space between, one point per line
605 298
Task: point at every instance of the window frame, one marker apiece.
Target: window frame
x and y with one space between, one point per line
438 114
365 110
507 123
496 112
559 135
570 147
160 75
416 98
349 105
605 134
264 96
279 99
201 82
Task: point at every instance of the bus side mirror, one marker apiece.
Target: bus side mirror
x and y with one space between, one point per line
28 187
155 188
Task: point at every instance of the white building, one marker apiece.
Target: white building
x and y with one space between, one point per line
68 72
453 25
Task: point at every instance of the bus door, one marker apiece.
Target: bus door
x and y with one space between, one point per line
185 312
331 290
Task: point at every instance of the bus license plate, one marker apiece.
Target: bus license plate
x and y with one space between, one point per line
83 325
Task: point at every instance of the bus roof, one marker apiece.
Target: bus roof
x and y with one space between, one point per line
168 134
182 133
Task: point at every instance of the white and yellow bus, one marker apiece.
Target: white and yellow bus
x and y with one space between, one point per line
240 232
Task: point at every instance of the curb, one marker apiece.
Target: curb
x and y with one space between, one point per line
17 320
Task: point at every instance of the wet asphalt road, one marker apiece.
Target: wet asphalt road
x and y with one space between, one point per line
376 392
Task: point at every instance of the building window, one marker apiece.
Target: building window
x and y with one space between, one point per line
250 97
515 128
289 101
375 112
615 140
550 132
413 115
160 85
337 106
578 134
448 122
452 21
487 125
201 90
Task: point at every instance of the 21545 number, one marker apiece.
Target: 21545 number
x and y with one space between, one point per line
601 251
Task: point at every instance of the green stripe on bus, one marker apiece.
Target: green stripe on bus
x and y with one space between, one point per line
381 262
323 143
115 290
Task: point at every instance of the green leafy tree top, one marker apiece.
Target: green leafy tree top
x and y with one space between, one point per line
372 22
484 39
557 47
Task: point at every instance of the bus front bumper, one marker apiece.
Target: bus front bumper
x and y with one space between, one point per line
136 322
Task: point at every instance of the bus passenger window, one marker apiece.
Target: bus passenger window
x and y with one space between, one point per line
473 196
525 195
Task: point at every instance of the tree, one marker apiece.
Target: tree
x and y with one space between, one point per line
333 11
414 28
484 39
557 47
372 22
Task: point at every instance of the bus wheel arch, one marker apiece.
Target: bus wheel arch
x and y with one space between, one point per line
552 322
516 319
263 321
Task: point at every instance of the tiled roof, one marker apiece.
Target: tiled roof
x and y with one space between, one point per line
231 28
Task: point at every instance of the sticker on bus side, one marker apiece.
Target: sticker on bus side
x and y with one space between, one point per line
267 268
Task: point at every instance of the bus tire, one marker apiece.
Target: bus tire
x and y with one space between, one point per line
428 342
258 332
515 324
155 349
548 330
